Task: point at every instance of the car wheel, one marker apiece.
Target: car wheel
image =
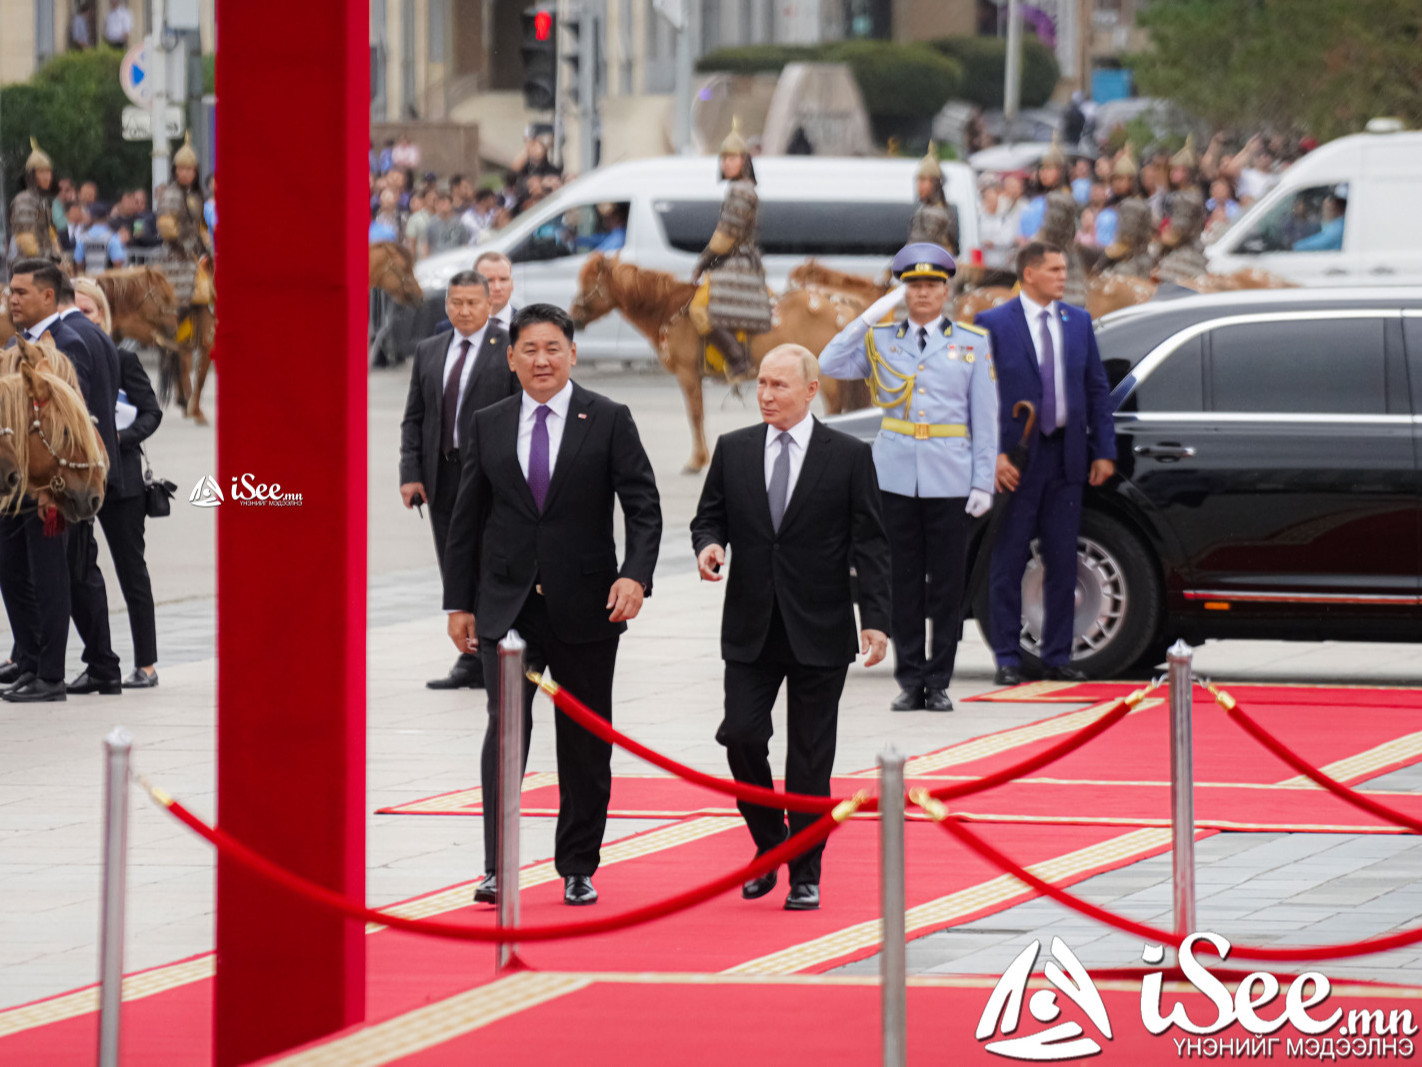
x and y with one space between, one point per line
1118 600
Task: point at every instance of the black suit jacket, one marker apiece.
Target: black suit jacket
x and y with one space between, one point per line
500 545
101 392
833 521
139 389
490 381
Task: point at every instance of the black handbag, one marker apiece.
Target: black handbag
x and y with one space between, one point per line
157 492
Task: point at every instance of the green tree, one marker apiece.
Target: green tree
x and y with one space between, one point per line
1325 66
984 62
73 108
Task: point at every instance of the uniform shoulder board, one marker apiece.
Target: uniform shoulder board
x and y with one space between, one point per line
971 328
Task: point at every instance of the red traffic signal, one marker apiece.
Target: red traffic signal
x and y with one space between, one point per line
542 25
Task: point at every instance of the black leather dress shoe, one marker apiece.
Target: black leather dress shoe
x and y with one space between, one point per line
908 700
486 892
938 700
141 679
10 673
803 897
23 680
86 683
758 887
1010 675
457 679
36 691
578 890
1064 674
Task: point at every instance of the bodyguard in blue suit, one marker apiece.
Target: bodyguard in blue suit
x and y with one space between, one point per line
1046 353
935 457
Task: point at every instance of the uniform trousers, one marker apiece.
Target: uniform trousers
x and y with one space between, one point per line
123 519
584 760
928 545
812 721
34 581
446 489
89 602
1046 506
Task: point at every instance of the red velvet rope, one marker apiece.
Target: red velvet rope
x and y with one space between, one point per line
1118 710
1365 947
594 723
1313 774
227 845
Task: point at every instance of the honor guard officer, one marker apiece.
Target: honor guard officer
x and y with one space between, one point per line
935 457
32 210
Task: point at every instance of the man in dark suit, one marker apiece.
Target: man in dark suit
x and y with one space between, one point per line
34 569
799 505
455 373
1046 353
531 548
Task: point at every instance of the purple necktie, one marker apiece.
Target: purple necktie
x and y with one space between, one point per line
1049 378
538 457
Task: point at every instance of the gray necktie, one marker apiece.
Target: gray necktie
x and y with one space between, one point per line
1049 378
779 488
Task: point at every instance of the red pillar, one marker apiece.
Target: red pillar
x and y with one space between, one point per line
292 135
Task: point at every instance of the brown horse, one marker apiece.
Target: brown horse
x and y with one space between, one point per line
14 441
655 303
67 463
392 270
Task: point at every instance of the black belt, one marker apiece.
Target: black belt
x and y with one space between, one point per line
1058 434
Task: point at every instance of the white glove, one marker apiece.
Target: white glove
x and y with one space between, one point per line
979 502
883 305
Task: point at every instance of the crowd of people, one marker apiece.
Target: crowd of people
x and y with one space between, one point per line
1224 181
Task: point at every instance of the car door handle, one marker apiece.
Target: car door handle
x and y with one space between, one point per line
1166 451
1383 270
1334 272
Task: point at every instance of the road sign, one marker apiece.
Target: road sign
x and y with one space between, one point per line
133 76
138 123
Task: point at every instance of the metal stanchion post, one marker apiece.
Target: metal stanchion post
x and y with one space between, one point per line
893 968
117 746
506 871
1182 785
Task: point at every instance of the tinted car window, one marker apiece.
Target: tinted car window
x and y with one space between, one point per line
796 229
1308 367
1177 384
578 230
1127 341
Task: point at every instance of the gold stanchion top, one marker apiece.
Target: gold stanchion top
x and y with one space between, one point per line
547 685
937 810
848 806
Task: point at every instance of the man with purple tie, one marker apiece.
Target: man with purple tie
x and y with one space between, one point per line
1046 353
531 549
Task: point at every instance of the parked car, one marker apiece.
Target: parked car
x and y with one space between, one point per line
852 214
1268 477
1367 187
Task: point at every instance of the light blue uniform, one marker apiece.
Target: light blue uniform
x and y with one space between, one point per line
952 382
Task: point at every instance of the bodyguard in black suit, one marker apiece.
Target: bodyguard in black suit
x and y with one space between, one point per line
531 548
123 518
455 373
798 504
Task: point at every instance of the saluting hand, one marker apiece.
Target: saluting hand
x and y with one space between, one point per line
875 643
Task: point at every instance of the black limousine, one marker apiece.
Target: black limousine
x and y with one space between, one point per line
1267 481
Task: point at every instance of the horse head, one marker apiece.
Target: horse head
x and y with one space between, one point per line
594 299
392 270
67 464
14 441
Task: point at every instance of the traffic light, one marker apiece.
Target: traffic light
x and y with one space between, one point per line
540 59
582 53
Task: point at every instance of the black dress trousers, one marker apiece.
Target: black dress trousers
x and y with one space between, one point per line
584 761
928 545
812 722
446 489
123 520
89 603
34 582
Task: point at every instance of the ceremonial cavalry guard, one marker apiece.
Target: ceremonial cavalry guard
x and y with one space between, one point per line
935 220
733 304
935 456
1184 259
187 246
1051 174
1128 254
32 210
1125 185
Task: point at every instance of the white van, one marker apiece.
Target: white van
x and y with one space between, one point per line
1375 178
851 214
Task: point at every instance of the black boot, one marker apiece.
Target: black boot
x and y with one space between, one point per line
738 360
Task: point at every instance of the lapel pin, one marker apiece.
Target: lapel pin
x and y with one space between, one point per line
1064 314
582 414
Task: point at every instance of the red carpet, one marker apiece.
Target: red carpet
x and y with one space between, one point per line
946 885
704 1021
1334 696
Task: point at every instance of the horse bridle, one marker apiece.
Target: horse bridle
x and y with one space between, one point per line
37 428
596 291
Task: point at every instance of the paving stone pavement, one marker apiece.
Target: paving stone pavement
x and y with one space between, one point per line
668 694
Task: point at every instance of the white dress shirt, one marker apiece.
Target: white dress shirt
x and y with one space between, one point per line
557 419
504 316
35 332
799 441
1033 311
451 357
